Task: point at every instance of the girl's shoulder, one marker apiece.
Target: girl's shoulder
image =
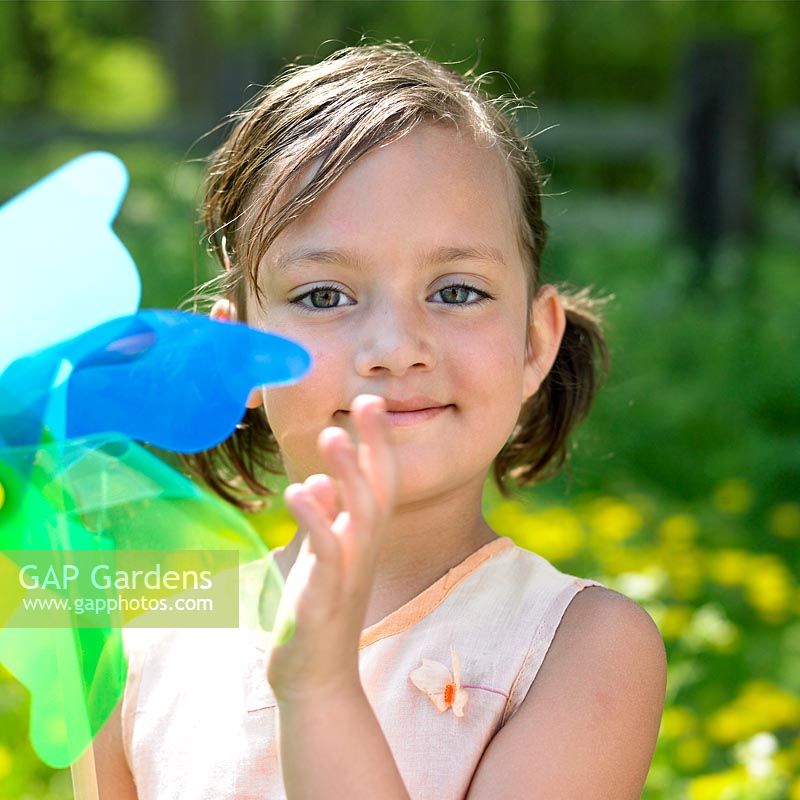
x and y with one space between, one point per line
602 672
538 595
520 573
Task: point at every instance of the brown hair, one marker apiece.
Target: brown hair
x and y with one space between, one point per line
356 99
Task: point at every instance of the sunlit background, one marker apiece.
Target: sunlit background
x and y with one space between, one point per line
671 136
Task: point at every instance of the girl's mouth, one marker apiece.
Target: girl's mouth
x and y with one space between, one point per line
402 419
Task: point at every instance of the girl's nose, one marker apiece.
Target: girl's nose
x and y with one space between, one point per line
394 340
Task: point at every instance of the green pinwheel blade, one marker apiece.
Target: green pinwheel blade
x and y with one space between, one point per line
107 495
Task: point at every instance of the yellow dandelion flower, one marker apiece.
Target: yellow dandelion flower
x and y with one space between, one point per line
775 707
673 621
760 707
733 496
718 785
784 520
676 722
508 519
554 533
769 588
692 753
613 520
503 516
560 535
679 530
729 567
725 726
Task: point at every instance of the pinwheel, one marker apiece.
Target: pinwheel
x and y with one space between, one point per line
84 375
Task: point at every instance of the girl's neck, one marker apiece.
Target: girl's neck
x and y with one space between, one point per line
421 543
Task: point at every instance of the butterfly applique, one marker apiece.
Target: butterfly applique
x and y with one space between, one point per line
442 687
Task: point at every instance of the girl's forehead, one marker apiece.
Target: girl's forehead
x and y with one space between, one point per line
430 183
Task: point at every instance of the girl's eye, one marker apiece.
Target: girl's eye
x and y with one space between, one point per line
458 293
321 297
328 297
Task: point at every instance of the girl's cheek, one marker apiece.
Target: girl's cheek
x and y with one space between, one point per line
314 398
497 349
327 364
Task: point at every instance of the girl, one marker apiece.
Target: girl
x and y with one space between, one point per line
379 209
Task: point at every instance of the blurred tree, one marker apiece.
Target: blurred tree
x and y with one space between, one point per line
608 54
72 62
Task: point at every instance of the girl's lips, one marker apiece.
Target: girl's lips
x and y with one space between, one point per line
402 418
405 418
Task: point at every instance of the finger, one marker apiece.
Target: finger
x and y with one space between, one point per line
374 451
323 489
312 518
338 450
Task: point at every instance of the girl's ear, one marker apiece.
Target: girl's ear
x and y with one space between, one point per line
224 310
547 323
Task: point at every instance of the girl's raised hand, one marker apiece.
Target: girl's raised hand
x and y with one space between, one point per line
328 588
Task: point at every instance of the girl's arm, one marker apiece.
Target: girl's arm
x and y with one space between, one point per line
330 742
334 747
114 779
588 726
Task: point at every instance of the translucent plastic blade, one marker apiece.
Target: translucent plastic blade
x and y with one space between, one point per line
110 495
176 380
59 248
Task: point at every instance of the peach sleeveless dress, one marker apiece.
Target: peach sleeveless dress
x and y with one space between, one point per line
199 718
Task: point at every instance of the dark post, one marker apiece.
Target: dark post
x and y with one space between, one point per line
717 148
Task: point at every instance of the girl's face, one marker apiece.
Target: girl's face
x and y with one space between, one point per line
404 280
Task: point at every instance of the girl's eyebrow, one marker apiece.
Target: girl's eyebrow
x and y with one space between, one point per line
439 255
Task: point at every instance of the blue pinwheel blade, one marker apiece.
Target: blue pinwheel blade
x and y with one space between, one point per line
177 380
58 247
